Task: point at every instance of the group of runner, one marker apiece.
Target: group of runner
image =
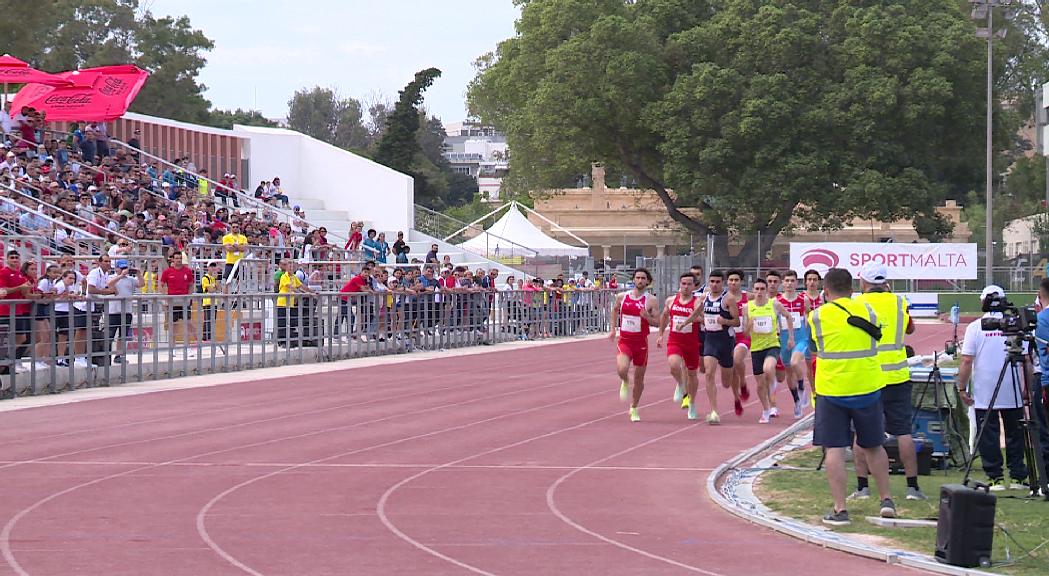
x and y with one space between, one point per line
709 328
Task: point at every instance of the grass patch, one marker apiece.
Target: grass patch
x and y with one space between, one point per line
803 494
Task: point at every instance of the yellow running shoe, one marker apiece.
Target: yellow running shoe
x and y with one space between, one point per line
624 391
685 402
634 416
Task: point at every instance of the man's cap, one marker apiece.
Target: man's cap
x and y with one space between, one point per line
991 289
165 185
92 188
123 263
874 273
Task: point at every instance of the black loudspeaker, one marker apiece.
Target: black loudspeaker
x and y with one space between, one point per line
965 528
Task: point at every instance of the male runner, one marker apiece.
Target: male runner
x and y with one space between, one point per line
682 347
632 313
739 352
794 357
774 279
697 274
813 299
763 329
720 312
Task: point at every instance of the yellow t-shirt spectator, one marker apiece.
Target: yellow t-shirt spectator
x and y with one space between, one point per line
235 240
566 293
288 282
207 286
202 187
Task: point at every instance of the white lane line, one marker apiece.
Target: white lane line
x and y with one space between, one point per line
378 465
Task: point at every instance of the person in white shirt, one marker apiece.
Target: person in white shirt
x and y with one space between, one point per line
70 319
983 355
124 284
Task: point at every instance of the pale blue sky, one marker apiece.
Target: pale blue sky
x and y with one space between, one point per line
267 49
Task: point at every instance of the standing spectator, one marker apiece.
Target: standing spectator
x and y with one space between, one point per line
233 244
354 243
16 286
46 289
135 144
176 282
203 185
359 284
70 319
399 247
88 151
124 286
102 139
371 246
209 284
287 320
431 256
383 247
97 285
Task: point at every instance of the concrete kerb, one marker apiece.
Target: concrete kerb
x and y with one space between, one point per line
222 378
807 532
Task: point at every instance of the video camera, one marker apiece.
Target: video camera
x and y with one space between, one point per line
1015 320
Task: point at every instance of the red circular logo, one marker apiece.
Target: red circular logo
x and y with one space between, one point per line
819 258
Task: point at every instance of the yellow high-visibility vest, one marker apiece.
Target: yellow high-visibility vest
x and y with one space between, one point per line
891 310
848 356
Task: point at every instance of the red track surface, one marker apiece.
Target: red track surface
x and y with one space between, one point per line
518 462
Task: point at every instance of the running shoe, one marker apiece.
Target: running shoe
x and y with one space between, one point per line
996 484
634 416
860 494
774 412
764 417
915 494
744 392
738 407
686 402
624 391
693 412
713 418
839 518
1015 484
679 393
888 508
797 411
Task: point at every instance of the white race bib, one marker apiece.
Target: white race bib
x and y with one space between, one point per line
795 316
681 326
710 323
762 325
631 324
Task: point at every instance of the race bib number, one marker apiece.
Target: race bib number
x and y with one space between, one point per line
710 323
795 316
631 324
681 326
763 325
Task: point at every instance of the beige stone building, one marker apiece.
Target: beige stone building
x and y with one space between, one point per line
623 223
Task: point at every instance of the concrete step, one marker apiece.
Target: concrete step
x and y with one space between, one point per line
308 204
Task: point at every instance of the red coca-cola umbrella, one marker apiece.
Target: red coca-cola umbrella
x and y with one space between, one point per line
93 95
15 71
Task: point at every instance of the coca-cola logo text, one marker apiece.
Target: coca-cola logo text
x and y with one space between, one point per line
68 99
14 72
113 86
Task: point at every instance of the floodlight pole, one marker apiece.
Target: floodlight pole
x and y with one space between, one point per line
989 232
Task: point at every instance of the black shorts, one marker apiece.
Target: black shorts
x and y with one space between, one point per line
897 404
757 359
179 312
227 270
72 320
23 324
719 345
834 425
41 311
119 321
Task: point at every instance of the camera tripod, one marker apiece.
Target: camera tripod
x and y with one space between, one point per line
1018 364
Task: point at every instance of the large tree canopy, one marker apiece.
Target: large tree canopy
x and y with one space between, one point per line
744 114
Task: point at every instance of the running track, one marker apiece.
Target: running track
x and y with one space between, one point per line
514 462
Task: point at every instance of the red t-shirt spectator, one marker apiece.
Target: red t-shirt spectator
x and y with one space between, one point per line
354 243
12 278
178 280
354 286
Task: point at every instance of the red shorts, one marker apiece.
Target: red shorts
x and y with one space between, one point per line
688 352
779 365
637 349
743 339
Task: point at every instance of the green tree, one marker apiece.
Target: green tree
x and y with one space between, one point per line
173 52
227 118
399 146
322 114
746 115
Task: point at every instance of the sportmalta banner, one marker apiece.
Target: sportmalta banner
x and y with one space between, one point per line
904 261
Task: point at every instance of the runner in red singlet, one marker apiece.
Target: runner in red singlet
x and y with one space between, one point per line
741 351
700 287
682 348
794 359
632 313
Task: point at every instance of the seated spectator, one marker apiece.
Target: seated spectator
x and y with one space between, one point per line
277 193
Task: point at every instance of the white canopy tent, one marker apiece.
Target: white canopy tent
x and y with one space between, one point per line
515 234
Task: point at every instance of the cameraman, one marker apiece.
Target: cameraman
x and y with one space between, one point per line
983 355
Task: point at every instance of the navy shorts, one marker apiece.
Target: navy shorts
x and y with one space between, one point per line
757 359
719 345
834 424
897 405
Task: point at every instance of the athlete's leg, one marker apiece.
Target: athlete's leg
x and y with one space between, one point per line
693 382
710 365
677 369
739 378
639 384
623 370
770 371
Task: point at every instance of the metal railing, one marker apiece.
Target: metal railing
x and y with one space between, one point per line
53 344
